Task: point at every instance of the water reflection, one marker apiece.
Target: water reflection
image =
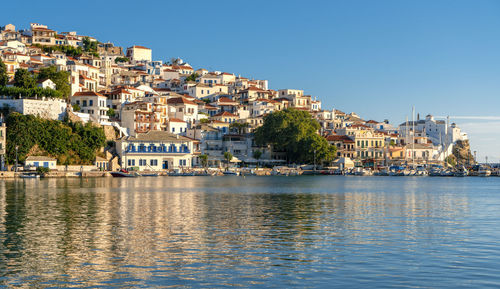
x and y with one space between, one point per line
212 232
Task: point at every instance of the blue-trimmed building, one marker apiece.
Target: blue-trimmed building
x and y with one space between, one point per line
158 150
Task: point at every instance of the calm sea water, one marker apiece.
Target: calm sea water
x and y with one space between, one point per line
282 232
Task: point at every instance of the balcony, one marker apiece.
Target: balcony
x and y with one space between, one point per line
157 150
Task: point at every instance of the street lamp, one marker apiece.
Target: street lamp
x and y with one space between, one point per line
17 148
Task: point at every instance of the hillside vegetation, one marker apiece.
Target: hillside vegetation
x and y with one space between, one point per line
71 143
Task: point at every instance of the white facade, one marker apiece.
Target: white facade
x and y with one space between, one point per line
48 108
139 53
40 161
157 150
440 132
92 103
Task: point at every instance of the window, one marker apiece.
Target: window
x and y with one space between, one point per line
153 163
84 103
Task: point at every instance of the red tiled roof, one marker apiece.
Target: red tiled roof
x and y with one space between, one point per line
225 113
87 93
342 138
179 100
175 120
141 47
225 100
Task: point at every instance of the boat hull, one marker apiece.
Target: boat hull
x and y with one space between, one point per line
122 175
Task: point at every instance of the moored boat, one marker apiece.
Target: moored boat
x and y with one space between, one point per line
230 173
154 174
123 174
29 176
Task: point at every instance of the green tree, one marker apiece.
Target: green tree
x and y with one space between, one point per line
89 45
294 132
74 141
121 59
228 157
76 107
29 92
4 78
256 155
42 170
238 126
111 112
60 78
24 79
204 160
192 77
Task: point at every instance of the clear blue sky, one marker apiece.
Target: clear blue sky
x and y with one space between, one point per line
377 58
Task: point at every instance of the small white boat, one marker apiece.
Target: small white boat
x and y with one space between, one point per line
484 173
230 173
29 176
149 174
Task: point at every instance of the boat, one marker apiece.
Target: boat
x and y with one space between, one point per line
154 174
484 172
362 172
230 173
181 173
29 176
123 174
421 171
397 171
447 173
461 172
436 171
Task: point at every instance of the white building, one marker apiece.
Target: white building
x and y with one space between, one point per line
139 53
48 108
440 132
157 150
40 161
92 103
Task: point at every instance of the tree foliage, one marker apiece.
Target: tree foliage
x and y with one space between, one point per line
111 112
228 157
257 154
204 160
66 49
24 79
29 92
4 78
295 132
70 143
121 59
192 77
60 78
90 46
239 126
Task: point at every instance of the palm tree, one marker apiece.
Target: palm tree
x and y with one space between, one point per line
228 156
204 160
256 155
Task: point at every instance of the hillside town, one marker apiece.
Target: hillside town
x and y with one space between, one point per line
169 115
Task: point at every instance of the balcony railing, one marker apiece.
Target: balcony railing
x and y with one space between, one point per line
158 150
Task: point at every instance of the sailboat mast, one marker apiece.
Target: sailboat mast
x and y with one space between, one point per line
413 135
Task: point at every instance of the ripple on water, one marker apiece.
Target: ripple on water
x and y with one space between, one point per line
305 232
